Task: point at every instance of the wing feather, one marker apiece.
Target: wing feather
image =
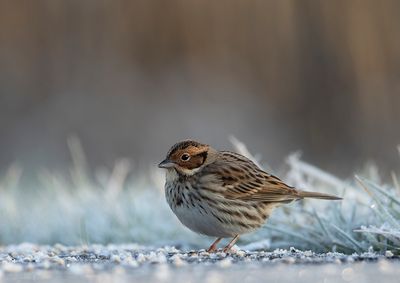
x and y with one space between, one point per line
242 179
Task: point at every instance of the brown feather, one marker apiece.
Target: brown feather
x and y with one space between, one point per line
242 179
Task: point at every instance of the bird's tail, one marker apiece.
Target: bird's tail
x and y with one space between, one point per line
304 194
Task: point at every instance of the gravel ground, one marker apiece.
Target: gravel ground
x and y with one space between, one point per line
96 263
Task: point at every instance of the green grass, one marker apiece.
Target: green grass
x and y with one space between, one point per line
84 206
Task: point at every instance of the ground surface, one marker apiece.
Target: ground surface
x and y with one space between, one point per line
95 263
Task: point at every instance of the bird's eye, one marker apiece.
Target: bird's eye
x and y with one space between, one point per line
185 157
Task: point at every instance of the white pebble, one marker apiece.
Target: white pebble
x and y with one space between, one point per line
194 255
204 253
141 258
115 258
169 249
160 258
389 254
308 253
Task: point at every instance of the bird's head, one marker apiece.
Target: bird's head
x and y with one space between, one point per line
187 157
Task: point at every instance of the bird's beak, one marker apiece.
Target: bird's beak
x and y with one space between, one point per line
166 164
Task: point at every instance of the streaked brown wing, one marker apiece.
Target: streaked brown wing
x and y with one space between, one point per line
242 179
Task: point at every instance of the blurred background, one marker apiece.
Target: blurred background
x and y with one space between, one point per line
130 78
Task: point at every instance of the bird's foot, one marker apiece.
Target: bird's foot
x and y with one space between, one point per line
212 249
231 244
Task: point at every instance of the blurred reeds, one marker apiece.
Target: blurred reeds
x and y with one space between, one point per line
322 76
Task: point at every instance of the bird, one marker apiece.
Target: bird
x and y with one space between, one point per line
223 194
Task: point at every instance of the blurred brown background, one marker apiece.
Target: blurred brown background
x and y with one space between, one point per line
130 78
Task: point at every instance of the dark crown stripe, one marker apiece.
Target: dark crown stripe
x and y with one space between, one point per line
182 145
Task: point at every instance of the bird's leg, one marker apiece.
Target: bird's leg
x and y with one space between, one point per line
231 244
213 247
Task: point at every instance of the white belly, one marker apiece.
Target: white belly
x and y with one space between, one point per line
203 223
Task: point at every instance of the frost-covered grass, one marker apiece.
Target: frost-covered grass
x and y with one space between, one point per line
86 206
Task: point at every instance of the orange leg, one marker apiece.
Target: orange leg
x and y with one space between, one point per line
231 244
213 247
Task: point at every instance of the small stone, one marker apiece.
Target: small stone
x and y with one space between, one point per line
14 254
141 258
240 253
389 254
103 254
115 258
194 255
204 253
28 258
170 249
160 258
308 253
221 254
